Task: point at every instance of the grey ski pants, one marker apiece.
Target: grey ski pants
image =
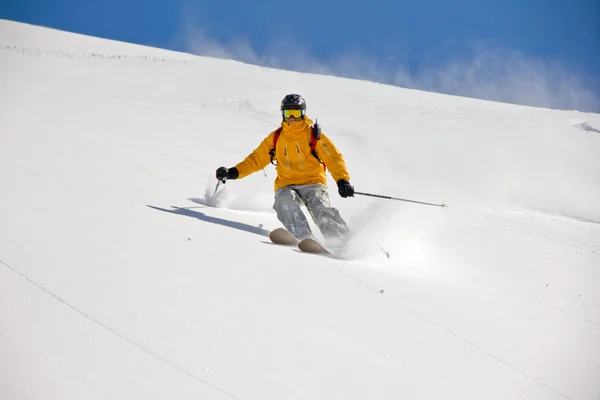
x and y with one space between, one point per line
288 202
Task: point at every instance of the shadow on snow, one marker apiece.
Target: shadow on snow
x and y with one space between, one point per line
214 220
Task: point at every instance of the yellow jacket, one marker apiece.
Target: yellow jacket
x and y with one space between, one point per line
295 163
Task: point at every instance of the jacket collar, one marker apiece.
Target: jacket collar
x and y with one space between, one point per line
296 128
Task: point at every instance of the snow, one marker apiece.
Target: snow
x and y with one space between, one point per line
114 285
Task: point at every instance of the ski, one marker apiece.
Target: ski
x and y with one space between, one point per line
312 246
283 237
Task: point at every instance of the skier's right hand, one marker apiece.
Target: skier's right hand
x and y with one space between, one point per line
227 173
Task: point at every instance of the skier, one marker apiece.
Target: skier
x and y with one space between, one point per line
301 154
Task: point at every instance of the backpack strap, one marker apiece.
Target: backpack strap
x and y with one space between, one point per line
316 135
275 138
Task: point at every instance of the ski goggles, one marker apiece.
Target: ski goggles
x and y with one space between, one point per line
292 113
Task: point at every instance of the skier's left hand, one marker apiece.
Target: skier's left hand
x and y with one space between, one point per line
345 189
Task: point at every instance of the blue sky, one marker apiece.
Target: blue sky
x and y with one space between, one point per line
537 52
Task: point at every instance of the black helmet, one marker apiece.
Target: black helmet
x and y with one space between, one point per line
293 102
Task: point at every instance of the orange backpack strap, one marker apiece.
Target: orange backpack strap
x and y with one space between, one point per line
275 138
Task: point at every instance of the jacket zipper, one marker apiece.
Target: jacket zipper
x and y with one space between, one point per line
287 160
300 156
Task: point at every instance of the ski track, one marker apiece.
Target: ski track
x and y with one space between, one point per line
112 331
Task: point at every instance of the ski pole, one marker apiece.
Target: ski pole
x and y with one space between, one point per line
212 200
395 198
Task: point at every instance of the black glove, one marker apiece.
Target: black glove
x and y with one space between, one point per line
225 173
345 189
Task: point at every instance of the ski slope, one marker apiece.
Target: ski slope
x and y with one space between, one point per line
113 285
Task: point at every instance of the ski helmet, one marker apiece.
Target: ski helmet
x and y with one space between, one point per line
293 102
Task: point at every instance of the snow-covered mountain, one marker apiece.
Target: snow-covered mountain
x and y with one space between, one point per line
113 285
